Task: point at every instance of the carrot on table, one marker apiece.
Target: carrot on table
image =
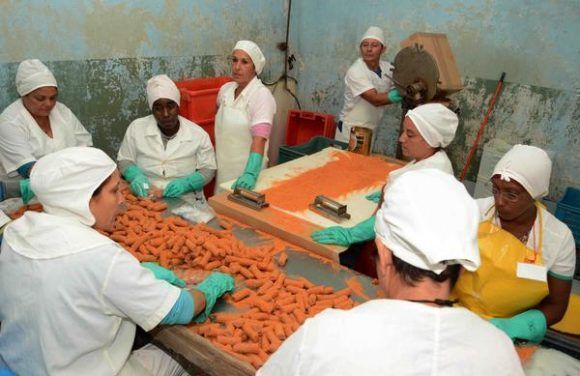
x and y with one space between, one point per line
282 259
239 295
249 331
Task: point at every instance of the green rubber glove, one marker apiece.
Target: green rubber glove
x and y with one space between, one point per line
164 274
137 180
26 191
394 96
250 176
374 197
346 236
529 325
215 285
179 186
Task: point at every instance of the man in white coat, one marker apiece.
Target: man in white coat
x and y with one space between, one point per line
426 232
165 150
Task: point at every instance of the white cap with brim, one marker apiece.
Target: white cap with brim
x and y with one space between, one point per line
32 75
162 87
254 52
528 165
436 123
374 32
429 221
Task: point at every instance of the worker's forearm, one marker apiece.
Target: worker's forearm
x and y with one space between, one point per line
258 145
555 304
375 98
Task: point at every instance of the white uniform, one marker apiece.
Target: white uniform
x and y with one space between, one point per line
558 247
188 151
235 117
395 337
439 161
71 299
357 111
22 141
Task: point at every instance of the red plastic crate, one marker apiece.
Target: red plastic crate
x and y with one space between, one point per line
198 104
198 97
301 126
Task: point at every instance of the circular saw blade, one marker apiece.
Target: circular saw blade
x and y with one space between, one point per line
412 66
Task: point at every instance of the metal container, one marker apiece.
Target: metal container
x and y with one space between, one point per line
360 140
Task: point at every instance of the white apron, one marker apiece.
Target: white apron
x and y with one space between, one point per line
233 141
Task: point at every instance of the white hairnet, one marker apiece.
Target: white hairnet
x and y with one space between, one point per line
31 75
64 181
436 123
161 86
429 221
375 33
255 53
528 165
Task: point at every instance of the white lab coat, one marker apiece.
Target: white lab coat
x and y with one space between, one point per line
395 337
357 111
22 141
188 151
234 119
71 299
558 247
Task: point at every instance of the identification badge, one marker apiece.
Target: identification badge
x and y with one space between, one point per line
532 271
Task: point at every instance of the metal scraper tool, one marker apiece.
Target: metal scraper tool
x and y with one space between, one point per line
251 199
329 208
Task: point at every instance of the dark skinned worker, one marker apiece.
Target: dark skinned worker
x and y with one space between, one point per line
528 255
164 150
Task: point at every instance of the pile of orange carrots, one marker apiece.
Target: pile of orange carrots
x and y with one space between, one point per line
270 305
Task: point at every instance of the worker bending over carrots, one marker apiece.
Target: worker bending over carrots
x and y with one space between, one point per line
71 297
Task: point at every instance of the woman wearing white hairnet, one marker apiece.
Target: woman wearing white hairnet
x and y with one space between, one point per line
33 126
427 129
368 87
71 297
528 256
164 150
244 119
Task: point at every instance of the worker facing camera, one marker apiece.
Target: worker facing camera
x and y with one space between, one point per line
426 232
368 87
244 119
72 297
32 126
164 154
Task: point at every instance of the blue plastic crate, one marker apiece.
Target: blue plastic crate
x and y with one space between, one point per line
568 211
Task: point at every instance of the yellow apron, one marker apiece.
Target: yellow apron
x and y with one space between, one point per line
494 289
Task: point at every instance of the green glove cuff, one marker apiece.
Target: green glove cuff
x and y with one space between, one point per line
214 286
254 164
26 191
131 172
195 181
363 231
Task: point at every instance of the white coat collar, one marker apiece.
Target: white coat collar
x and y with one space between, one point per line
46 236
249 89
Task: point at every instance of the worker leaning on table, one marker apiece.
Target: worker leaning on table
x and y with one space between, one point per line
368 87
426 232
71 297
33 126
165 150
528 255
244 119
427 129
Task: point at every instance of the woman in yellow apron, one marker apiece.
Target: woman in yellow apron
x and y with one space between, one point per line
244 119
527 255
